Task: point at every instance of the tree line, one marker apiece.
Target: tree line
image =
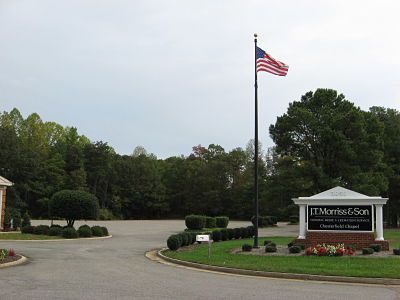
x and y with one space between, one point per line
323 140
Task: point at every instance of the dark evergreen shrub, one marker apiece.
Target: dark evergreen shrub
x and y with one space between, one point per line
396 251
237 233
28 229
69 233
56 225
216 235
105 230
270 249
244 232
274 220
251 231
231 233
186 238
211 222
271 244
97 231
84 226
195 222
55 231
293 219
42 230
290 244
294 249
302 247
85 231
173 242
376 247
26 219
247 247
266 242
367 251
193 236
224 234
222 222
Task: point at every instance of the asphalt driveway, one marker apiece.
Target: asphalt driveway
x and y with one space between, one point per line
116 268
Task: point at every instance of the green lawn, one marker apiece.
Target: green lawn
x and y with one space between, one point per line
388 267
26 236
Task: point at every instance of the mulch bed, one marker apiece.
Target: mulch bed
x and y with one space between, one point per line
284 251
10 259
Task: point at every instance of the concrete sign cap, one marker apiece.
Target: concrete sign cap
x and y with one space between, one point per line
5 182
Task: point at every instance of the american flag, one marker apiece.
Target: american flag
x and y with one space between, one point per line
266 63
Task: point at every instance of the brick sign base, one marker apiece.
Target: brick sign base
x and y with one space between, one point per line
359 240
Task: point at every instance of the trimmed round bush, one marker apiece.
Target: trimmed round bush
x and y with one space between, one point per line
105 231
244 232
270 249
55 231
193 235
186 238
367 251
294 249
266 242
302 247
224 234
195 222
247 247
237 233
231 233
396 251
84 226
376 247
222 222
216 235
74 205
97 231
41 230
28 229
271 244
85 231
251 231
211 222
69 233
174 242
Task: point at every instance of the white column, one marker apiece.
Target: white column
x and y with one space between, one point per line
302 221
379 222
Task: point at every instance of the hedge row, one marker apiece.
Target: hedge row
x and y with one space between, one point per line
66 232
265 221
198 222
176 241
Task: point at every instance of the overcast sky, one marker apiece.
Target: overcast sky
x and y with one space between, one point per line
169 75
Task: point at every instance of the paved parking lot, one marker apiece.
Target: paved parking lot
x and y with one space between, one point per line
116 268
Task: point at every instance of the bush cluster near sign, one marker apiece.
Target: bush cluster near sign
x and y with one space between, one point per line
198 222
67 232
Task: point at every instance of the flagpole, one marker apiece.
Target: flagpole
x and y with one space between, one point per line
255 144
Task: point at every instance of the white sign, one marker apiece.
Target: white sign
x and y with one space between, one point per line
202 238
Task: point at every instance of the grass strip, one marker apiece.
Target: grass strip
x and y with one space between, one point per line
388 267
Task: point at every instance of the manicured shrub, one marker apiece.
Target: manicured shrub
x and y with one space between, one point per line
293 219
251 231
290 244
84 226
266 242
302 247
85 231
74 205
231 233
237 233
222 222
174 242
396 251
274 220
42 230
367 251
224 234
186 238
97 231
271 244
26 219
193 236
376 247
216 235
28 229
69 233
270 249
55 231
195 222
105 231
244 232
294 249
247 247
211 222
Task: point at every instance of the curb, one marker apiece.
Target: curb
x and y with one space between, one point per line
305 277
20 261
62 240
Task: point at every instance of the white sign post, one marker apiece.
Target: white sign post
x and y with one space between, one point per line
205 238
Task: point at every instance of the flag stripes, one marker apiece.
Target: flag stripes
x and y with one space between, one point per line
266 63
